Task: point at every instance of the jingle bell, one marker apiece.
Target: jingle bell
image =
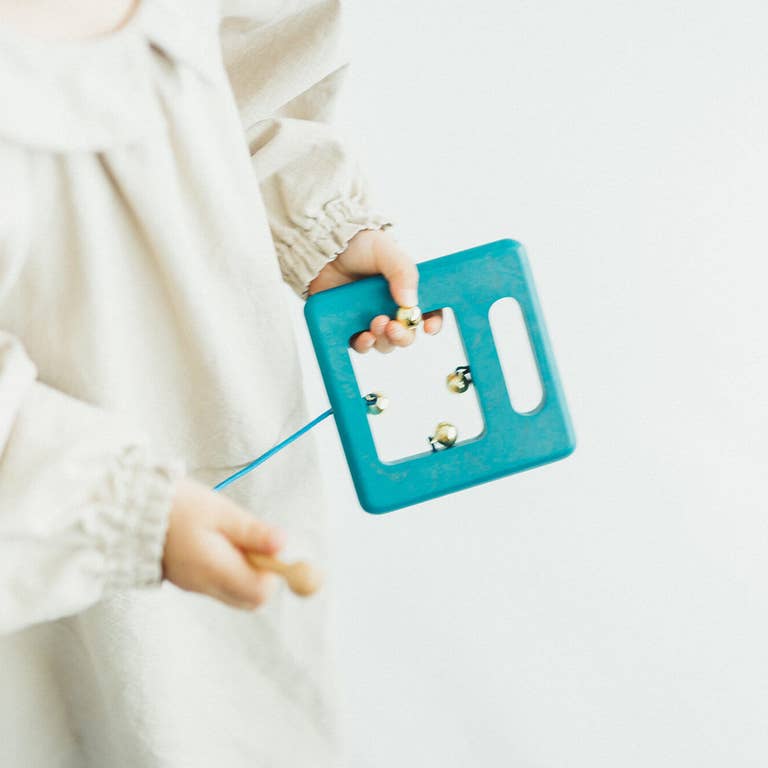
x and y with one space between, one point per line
376 403
459 380
445 435
409 317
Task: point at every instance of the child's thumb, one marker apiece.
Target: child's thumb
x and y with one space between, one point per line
400 271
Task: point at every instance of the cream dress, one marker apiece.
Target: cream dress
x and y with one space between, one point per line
149 221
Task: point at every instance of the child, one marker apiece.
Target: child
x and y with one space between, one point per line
144 341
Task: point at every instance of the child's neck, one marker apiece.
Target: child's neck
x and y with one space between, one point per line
73 20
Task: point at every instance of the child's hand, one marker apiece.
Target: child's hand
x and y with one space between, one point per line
207 535
374 252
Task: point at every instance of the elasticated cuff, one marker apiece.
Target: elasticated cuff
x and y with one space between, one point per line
137 497
304 251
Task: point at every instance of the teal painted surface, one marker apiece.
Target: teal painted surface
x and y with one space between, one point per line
469 282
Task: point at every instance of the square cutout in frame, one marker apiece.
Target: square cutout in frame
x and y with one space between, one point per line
413 379
469 282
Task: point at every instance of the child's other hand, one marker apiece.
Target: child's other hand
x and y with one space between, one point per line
204 548
376 252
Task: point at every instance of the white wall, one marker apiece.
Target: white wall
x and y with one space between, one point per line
610 609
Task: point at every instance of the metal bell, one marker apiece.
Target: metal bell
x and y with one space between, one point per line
445 435
460 379
376 403
410 317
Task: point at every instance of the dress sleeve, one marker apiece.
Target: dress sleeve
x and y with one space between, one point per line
286 72
83 503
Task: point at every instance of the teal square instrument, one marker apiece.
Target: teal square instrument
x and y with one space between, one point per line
469 282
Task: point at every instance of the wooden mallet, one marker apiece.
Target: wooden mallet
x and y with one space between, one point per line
301 577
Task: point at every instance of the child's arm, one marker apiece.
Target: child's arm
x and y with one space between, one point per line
83 502
87 509
286 75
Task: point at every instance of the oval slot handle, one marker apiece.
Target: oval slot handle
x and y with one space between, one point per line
513 345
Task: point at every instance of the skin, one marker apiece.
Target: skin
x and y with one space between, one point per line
75 20
208 534
376 252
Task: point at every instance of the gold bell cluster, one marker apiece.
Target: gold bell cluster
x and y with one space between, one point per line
376 403
445 436
459 381
410 317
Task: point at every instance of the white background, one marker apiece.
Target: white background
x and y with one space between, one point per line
609 609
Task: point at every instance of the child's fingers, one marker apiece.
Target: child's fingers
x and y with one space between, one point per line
398 335
379 325
239 584
385 334
378 328
363 341
250 533
433 322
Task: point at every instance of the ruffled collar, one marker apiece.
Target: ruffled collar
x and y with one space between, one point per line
89 95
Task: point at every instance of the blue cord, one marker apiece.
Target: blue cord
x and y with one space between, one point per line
271 452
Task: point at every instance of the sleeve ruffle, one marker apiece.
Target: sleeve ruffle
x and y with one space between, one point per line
84 499
108 539
303 250
132 511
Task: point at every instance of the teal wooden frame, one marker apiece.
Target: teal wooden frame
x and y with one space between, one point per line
469 282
